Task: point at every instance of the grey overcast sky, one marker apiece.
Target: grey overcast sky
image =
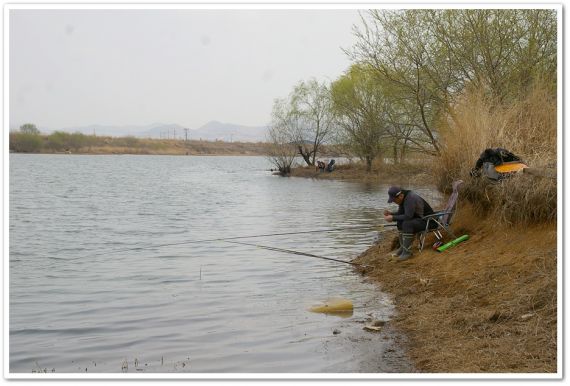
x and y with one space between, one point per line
71 68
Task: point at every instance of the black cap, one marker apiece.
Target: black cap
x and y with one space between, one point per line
393 192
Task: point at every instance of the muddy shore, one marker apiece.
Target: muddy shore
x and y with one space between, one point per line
488 305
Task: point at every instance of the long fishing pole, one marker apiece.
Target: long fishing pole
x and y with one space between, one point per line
382 226
297 253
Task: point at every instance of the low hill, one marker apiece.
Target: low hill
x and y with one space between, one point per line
211 131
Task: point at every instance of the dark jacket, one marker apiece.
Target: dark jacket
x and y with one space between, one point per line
413 206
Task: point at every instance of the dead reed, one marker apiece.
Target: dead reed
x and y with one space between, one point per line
528 129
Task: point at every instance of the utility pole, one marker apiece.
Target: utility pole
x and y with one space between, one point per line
186 131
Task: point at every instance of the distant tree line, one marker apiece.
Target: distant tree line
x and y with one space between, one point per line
28 139
410 67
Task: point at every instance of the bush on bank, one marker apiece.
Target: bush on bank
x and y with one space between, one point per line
25 143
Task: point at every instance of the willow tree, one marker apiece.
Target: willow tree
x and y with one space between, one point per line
282 151
360 110
431 56
310 118
395 44
500 50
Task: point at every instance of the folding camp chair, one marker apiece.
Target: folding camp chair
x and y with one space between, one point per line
441 221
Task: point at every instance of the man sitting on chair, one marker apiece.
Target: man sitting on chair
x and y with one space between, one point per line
411 209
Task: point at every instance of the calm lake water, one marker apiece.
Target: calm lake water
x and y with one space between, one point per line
103 277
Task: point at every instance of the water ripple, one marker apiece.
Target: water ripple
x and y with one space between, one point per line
103 268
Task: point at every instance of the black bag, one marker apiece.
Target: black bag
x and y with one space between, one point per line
489 159
496 156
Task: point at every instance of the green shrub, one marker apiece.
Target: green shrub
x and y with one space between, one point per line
25 142
57 141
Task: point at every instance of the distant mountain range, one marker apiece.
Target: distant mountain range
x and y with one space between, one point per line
211 131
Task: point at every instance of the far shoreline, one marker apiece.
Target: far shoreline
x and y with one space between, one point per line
77 143
150 154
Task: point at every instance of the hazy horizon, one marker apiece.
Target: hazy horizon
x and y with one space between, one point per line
82 67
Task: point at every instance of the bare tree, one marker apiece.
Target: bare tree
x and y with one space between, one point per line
310 109
282 151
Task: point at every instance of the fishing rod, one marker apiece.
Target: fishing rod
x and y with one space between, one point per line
382 226
297 253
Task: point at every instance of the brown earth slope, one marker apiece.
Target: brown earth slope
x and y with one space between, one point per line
486 305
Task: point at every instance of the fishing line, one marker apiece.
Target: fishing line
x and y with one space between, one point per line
382 226
296 253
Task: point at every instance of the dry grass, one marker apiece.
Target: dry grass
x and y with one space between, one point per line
528 129
526 199
487 305
411 173
173 147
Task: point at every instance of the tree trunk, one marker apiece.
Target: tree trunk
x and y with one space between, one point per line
305 155
395 148
369 163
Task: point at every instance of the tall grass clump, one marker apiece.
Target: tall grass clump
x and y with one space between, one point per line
526 127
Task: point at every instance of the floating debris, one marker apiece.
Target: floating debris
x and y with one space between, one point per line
334 306
375 325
